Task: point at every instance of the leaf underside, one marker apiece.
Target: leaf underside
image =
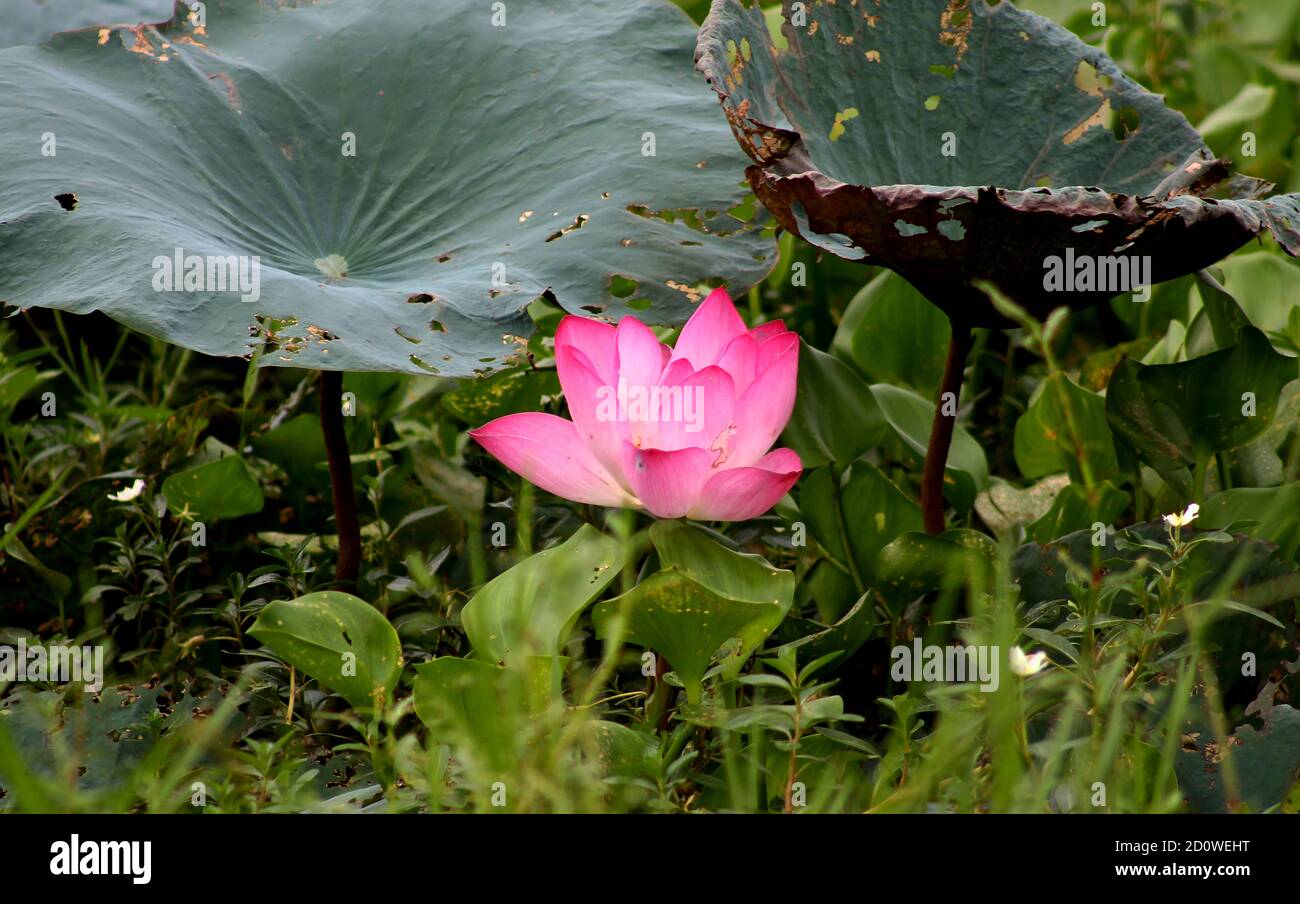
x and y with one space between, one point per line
952 141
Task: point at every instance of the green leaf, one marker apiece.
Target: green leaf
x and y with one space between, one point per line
484 709
916 563
223 488
34 21
890 335
844 637
835 416
341 641
1208 394
1276 511
876 512
531 609
686 622
298 447
1266 284
1073 509
1045 443
1248 106
730 574
402 220
479 401
967 470
1227 319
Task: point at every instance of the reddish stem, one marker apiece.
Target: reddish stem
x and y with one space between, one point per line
345 497
936 454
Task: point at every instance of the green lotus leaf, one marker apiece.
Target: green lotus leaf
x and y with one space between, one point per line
407 175
33 21
957 140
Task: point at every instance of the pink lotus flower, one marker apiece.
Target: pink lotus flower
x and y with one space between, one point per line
679 431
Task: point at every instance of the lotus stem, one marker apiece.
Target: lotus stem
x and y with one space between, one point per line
936 454
345 497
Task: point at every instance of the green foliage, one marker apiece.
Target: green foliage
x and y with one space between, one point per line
569 658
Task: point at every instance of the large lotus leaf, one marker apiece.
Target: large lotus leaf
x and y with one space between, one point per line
954 140
33 21
409 175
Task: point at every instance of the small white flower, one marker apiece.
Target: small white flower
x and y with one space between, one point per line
1187 516
129 493
1023 665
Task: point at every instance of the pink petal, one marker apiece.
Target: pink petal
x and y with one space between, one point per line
743 493
638 360
740 359
713 325
765 332
546 450
763 410
593 405
667 483
591 337
698 411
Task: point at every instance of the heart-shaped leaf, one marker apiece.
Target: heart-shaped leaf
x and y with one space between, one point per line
1173 414
223 488
341 641
530 609
370 184
1065 429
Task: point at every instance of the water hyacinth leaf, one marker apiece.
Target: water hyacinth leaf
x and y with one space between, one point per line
686 622
530 609
1224 399
341 641
889 336
915 563
297 447
1274 515
496 396
1064 429
223 488
967 469
876 512
483 706
1010 142
342 148
835 417
843 637
34 21
731 574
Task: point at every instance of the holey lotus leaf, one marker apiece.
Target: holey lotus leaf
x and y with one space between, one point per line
407 175
33 21
954 141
